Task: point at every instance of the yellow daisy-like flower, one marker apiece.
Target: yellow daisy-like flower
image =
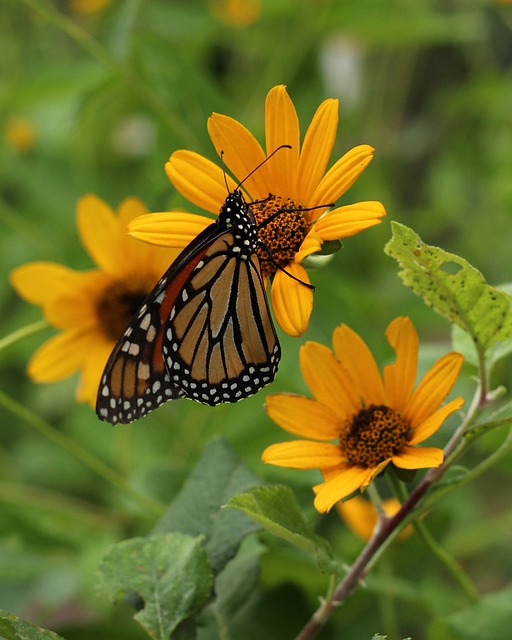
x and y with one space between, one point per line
91 308
375 420
288 193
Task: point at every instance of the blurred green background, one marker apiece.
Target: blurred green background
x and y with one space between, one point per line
94 97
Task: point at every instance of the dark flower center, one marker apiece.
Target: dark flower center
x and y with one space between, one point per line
281 228
374 434
116 307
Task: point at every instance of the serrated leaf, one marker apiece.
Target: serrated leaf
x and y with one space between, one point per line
489 619
452 287
13 628
170 572
198 508
276 509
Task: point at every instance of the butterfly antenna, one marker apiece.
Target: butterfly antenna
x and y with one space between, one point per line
224 170
283 146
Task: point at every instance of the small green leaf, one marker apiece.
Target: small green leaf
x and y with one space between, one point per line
492 420
13 628
452 287
276 509
170 572
489 619
197 509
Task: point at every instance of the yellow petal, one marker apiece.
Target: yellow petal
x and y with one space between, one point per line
433 389
242 153
316 150
92 369
199 180
40 282
418 458
292 302
59 356
433 422
311 244
302 416
76 308
348 220
342 175
327 380
302 454
102 234
358 361
169 229
282 127
339 484
399 377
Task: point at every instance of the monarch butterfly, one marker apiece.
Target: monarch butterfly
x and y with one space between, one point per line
203 333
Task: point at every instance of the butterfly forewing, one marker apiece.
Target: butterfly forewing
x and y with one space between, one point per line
204 332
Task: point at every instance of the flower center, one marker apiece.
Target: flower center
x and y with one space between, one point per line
281 228
375 434
116 307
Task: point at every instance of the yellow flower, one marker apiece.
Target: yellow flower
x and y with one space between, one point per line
292 180
361 516
91 308
236 12
19 133
375 420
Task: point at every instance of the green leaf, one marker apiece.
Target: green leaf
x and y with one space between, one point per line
489 619
276 509
197 509
170 572
492 419
13 628
452 287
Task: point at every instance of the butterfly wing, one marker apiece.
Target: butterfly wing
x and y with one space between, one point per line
220 344
135 380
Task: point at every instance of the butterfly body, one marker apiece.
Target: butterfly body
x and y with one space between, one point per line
203 333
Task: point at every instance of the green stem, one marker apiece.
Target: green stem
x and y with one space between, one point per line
447 560
101 53
19 334
77 451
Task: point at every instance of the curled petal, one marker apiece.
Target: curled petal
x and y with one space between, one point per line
302 416
418 458
168 229
340 483
342 175
198 180
399 377
433 389
348 220
282 127
312 243
302 454
316 149
433 422
292 302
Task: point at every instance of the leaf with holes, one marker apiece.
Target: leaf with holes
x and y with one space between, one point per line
452 287
170 573
13 628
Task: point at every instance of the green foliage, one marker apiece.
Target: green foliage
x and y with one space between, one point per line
170 573
452 287
486 620
276 509
12 628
